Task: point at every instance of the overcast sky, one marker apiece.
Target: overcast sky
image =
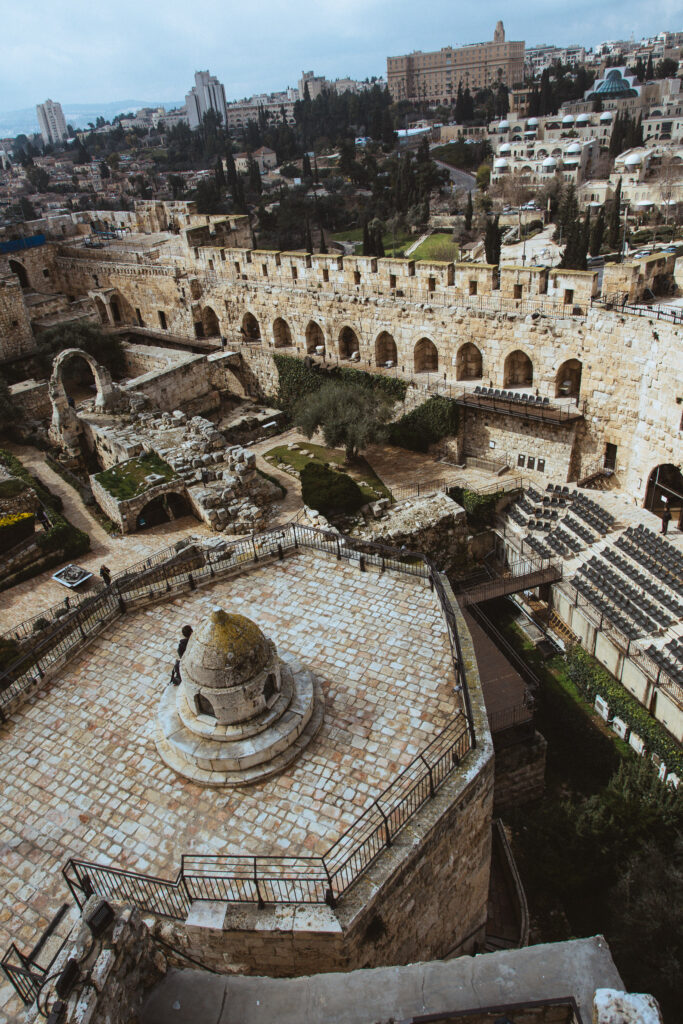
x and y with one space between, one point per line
82 51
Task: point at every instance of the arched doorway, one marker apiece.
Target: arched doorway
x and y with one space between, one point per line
282 335
165 508
20 270
568 380
115 309
468 362
425 357
203 705
385 350
348 343
665 490
315 337
101 310
518 371
78 379
251 330
212 327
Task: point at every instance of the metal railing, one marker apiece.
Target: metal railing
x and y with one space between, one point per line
24 972
617 303
262 880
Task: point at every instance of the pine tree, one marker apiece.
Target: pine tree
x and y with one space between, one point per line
493 241
597 233
306 171
614 222
468 213
650 71
316 174
231 170
219 174
459 105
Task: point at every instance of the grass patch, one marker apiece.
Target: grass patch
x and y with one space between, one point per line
394 245
360 470
439 246
134 477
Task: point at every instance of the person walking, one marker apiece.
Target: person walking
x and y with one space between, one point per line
105 574
666 519
186 634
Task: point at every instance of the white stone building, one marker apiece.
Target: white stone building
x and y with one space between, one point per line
51 121
206 94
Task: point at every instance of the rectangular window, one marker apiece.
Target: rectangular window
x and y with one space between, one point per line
392 280
531 462
264 269
473 287
356 277
569 296
520 461
295 273
138 317
238 269
540 465
518 291
431 284
326 275
162 319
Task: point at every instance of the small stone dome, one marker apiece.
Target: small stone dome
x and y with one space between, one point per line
505 148
225 651
503 126
550 163
633 160
532 122
573 148
500 164
582 119
606 117
567 119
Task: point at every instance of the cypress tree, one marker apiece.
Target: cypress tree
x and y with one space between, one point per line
219 174
468 213
306 166
614 222
378 241
367 245
597 233
231 170
309 238
650 71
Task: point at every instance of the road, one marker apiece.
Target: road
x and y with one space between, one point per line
459 178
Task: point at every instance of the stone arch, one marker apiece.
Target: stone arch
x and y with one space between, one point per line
425 357
251 329
518 370
665 482
115 309
348 342
282 333
163 508
468 362
20 270
210 323
101 308
315 337
568 379
385 349
65 428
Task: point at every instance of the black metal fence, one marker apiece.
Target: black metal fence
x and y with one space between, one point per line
265 879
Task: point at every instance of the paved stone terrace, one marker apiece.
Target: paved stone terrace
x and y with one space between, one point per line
81 775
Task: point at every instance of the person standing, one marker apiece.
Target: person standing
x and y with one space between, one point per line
666 519
105 574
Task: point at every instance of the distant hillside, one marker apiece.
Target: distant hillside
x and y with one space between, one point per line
18 122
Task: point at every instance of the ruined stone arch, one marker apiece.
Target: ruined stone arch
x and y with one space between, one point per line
121 311
20 270
568 379
425 356
518 370
385 349
65 428
251 329
163 508
282 333
468 362
315 336
348 342
101 308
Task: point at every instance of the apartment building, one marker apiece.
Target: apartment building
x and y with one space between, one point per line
51 121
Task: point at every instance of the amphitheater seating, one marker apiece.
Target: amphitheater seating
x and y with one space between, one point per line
659 557
670 658
623 592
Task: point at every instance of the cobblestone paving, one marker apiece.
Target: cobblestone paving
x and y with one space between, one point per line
81 775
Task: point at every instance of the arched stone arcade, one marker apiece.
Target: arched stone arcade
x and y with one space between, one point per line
425 357
282 333
208 326
315 337
385 349
568 379
468 362
348 342
251 329
518 370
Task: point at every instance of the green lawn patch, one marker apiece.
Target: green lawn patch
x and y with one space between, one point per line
135 476
394 245
360 470
439 246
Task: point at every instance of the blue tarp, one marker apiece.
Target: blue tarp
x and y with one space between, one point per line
22 243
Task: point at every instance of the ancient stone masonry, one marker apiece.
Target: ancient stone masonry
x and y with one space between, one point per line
220 482
16 337
435 526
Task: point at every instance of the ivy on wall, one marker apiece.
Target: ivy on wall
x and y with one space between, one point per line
297 380
434 419
593 680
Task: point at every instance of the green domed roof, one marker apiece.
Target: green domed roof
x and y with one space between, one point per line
613 84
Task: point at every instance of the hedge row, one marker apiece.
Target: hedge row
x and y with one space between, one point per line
297 380
15 527
593 680
434 419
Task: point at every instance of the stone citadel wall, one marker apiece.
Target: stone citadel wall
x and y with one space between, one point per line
632 374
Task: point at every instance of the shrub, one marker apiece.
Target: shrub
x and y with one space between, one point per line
12 487
63 539
480 509
297 380
593 680
9 652
15 527
16 468
331 493
436 418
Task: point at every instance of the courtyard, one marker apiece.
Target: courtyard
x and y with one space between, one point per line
82 776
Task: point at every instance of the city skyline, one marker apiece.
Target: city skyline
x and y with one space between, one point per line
99 54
